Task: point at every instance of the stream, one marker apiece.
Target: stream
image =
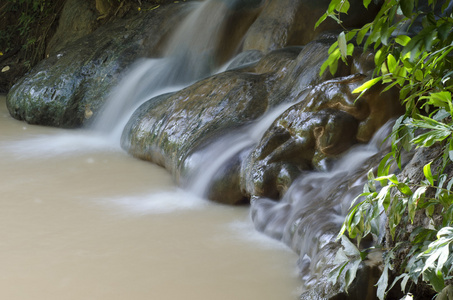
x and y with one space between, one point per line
99 224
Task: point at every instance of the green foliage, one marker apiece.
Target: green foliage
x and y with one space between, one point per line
347 260
27 24
419 64
400 201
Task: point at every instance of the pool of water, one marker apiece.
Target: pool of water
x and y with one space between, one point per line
80 219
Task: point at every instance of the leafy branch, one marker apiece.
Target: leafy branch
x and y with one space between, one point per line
413 53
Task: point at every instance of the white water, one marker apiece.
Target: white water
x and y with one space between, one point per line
189 56
205 163
94 223
313 209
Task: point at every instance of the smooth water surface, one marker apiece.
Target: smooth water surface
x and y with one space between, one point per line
79 219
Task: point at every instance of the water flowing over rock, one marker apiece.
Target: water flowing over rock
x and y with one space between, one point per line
319 128
265 127
166 129
62 88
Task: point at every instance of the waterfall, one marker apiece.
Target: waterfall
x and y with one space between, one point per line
312 210
189 55
206 163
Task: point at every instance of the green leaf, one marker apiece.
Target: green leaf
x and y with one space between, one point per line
443 97
332 6
442 258
407 7
385 33
450 150
430 211
403 40
351 273
343 7
422 234
320 20
336 272
429 39
391 63
382 283
428 174
443 31
350 50
342 44
366 3
405 189
341 257
349 248
411 208
440 185
384 165
435 279
392 178
364 87
362 33
445 232
418 74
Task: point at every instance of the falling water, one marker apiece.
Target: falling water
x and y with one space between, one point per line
189 56
309 215
312 211
206 163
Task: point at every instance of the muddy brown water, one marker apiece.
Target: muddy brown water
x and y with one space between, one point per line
80 220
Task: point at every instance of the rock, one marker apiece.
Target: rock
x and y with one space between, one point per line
291 22
325 121
316 130
77 19
60 88
245 59
225 185
290 145
168 131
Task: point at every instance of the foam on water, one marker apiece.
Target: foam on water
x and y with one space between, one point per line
162 202
63 144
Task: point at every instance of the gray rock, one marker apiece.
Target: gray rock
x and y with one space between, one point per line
77 19
291 22
62 88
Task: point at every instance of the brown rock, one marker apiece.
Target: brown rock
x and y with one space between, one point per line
291 22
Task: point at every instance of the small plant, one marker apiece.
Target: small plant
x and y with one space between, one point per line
30 22
419 64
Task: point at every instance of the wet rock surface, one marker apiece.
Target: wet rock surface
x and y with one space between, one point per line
314 132
272 165
61 88
166 132
77 19
291 22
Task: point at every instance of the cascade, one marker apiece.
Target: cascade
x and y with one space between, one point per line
192 52
312 210
310 213
206 163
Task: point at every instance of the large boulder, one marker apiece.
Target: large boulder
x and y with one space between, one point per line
167 129
78 18
71 85
64 89
316 130
291 22
323 122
